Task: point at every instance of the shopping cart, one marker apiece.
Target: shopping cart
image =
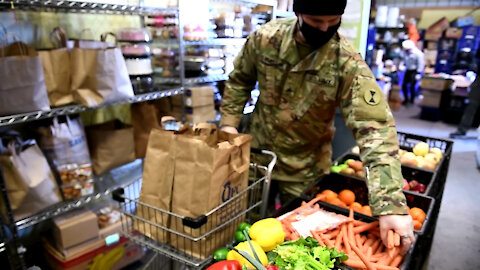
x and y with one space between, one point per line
191 240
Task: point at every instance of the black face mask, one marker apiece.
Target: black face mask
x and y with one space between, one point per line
317 38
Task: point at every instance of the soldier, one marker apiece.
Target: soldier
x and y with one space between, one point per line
305 69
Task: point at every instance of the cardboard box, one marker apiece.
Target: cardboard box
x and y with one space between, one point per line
430 57
453 32
74 228
435 31
128 253
431 98
436 83
200 114
195 97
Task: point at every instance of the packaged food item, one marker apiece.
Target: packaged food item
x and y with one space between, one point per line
134 35
139 66
76 180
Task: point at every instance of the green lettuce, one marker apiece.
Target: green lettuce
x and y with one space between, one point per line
305 253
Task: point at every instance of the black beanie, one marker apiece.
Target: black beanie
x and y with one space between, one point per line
319 7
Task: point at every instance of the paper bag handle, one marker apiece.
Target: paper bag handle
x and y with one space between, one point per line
104 36
58 37
208 127
245 164
3 43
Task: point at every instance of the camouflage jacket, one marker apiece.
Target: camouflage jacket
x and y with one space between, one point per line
296 108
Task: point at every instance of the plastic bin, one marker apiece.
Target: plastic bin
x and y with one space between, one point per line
409 173
407 260
407 141
338 182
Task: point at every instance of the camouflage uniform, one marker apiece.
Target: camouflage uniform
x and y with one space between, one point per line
296 108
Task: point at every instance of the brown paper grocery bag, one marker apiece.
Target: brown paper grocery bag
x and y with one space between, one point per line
29 181
157 185
99 73
56 67
145 117
22 82
111 145
210 168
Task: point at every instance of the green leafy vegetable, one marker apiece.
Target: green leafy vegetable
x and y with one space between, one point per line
305 253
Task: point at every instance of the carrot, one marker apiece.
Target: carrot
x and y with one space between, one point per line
358 223
396 261
375 233
306 205
348 248
358 240
369 253
390 241
327 241
351 236
364 238
392 256
396 239
375 245
354 264
350 215
317 237
338 241
368 243
332 234
364 259
365 227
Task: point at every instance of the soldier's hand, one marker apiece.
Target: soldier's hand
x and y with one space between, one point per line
229 129
401 224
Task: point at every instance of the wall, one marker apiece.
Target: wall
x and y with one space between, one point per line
428 3
34 27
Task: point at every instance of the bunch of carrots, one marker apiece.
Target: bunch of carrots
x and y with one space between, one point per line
359 240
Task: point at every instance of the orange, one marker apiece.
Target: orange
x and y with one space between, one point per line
417 225
356 207
330 195
366 210
417 214
338 202
347 196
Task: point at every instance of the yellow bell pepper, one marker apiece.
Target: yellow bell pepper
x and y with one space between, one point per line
268 233
244 246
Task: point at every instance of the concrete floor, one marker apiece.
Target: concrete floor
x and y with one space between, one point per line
456 243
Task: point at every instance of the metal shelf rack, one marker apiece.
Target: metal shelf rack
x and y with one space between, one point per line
72 109
194 80
218 42
83 6
104 185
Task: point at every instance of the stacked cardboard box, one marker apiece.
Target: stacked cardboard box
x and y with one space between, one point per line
432 90
199 105
80 243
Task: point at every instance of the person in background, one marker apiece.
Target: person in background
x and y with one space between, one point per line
472 107
391 72
414 65
305 69
411 25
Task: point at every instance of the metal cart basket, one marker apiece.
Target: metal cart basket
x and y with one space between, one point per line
191 240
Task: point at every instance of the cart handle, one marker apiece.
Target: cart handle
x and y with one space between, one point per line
268 179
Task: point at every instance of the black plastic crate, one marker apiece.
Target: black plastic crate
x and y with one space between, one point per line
338 182
409 173
407 141
409 258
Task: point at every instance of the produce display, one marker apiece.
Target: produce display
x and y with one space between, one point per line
359 240
421 156
346 199
350 167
